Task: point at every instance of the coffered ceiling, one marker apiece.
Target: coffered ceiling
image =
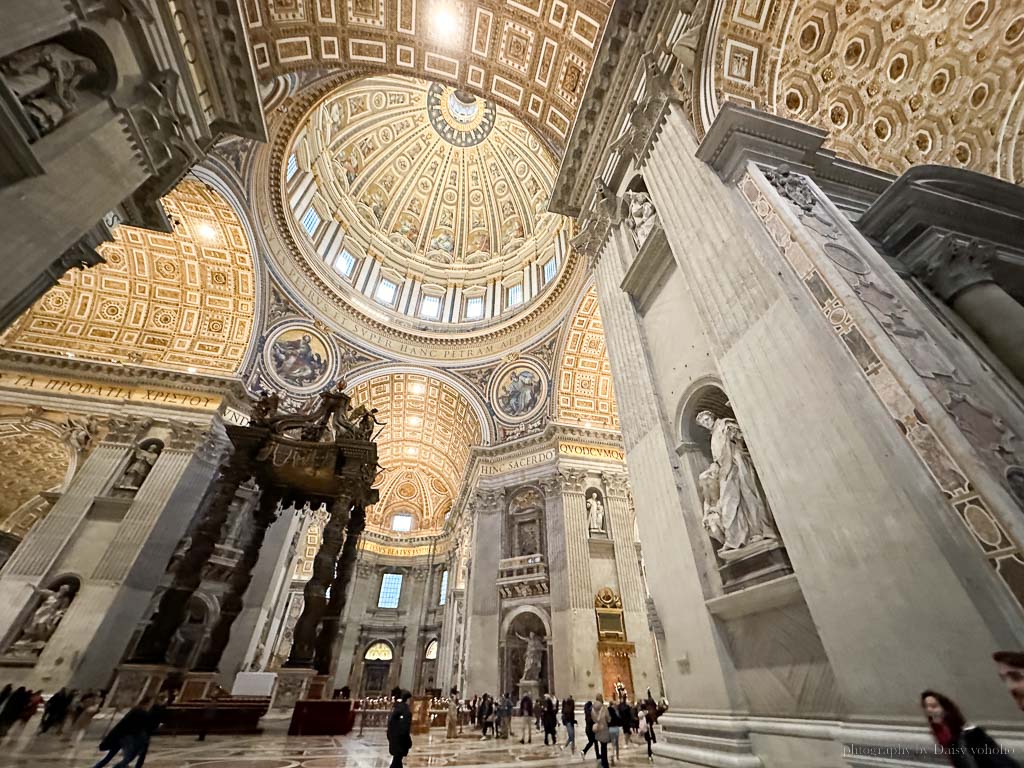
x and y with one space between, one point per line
585 393
532 57
896 83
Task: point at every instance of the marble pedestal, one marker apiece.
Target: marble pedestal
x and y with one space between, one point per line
756 564
319 687
292 685
531 688
134 681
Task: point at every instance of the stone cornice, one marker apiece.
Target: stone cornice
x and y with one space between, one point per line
629 29
230 388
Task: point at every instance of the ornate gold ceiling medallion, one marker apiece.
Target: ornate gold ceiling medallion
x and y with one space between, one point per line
459 117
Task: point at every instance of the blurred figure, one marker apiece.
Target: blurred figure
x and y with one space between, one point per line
400 730
602 732
965 745
55 711
526 719
128 737
1011 672
549 719
82 713
569 721
13 706
588 722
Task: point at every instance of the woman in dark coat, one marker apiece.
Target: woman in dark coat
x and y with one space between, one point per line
965 745
549 719
400 730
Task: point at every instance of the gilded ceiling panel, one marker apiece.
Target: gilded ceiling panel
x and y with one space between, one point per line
532 57
585 394
32 460
423 447
182 301
895 83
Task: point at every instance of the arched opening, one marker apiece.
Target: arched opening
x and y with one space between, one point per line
377 662
524 655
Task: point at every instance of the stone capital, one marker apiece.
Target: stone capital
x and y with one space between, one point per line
572 481
616 484
487 502
951 264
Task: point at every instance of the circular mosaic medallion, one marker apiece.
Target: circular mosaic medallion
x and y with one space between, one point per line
459 118
299 358
519 391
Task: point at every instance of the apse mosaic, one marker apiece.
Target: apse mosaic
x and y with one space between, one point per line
183 301
519 390
894 83
299 357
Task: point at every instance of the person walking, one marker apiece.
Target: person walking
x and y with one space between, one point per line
452 721
82 713
569 721
13 707
506 709
626 719
55 710
965 745
649 714
400 729
549 719
602 733
486 715
614 729
127 736
526 719
588 724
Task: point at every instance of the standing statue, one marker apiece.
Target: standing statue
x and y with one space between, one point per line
735 509
46 79
532 657
595 512
141 464
47 616
642 216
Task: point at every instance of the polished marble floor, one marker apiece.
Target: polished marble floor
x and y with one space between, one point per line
275 750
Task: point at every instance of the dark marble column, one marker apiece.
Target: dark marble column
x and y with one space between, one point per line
315 592
231 604
155 640
339 592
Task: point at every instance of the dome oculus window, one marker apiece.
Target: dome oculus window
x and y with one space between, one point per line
293 167
345 264
514 295
550 270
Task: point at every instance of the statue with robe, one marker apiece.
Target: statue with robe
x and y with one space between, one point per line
46 79
735 512
47 615
642 216
141 464
595 513
531 657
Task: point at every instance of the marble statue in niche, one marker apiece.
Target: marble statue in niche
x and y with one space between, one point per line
47 80
735 512
44 620
531 657
81 431
141 464
595 513
520 393
642 216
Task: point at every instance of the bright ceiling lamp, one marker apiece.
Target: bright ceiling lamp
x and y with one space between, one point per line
444 23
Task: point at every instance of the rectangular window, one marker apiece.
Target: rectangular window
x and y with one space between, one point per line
390 590
550 270
311 221
293 167
444 588
475 308
401 523
386 292
345 263
430 307
515 295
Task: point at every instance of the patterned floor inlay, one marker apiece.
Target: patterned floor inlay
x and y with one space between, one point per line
275 750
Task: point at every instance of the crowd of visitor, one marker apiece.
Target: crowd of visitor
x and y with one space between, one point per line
608 726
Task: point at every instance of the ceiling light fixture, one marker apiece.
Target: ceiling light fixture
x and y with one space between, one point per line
415 421
445 24
206 232
416 389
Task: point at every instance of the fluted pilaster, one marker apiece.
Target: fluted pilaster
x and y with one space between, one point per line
581 592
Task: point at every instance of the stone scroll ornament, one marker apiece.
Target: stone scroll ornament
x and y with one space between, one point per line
735 512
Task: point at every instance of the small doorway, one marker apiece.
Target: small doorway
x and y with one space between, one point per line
377 669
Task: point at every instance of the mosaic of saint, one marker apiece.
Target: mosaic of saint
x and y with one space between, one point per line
298 357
